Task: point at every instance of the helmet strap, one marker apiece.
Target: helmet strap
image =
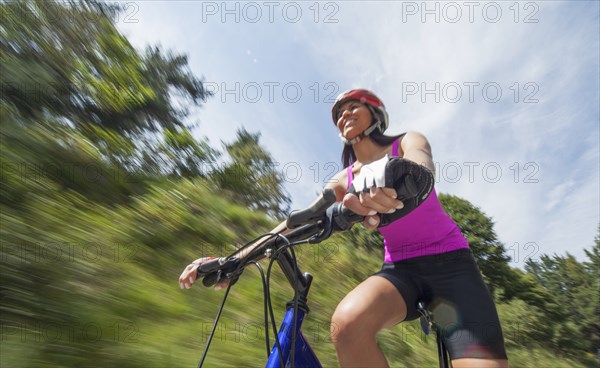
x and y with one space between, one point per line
361 136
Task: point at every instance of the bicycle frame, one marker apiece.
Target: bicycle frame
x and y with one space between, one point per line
428 324
304 356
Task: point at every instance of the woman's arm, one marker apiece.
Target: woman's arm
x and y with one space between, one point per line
188 276
338 184
416 148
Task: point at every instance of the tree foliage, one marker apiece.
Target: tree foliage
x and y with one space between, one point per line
555 288
66 68
70 64
78 65
479 231
574 298
252 177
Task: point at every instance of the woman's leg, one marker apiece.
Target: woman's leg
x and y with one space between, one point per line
463 307
479 363
373 305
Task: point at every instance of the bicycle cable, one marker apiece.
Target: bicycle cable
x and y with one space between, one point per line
212 333
210 337
296 298
268 306
269 236
262 277
274 257
295 314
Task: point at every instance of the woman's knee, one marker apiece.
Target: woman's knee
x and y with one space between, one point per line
373 305
479 363
349 326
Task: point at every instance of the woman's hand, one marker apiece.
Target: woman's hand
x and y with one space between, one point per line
189 274
368 204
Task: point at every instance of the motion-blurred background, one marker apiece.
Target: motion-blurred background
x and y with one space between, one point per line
107 193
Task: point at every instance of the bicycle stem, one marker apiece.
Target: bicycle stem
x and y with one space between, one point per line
299 281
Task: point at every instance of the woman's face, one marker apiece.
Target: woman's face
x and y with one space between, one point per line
353 118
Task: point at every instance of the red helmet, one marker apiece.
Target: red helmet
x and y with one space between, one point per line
368 98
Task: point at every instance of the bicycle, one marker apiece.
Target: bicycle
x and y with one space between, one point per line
311 225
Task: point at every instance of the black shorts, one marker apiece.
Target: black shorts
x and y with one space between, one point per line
451 285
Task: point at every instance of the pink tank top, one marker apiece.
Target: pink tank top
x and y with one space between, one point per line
425 231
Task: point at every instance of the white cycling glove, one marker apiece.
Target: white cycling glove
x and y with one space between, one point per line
413 183
371 175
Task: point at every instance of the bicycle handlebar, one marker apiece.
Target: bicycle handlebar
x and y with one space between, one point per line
313 213
324 216
211 266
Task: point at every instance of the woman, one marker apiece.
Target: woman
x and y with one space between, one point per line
426 256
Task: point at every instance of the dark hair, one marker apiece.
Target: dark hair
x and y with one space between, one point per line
348 156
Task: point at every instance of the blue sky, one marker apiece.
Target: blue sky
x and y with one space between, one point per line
506 92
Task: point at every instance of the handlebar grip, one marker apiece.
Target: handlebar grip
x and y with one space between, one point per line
219 269
314 212
349 215
344 218
210 266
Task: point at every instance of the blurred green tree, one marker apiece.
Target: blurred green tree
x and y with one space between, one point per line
590 295
67 62
574 299
479 231
251 177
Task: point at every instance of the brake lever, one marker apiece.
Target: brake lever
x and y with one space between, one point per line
210 266
219 270
326 224
337 218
